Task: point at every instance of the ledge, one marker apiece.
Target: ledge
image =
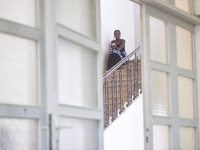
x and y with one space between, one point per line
171 9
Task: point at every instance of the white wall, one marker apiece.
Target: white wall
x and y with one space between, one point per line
127 132
137 26
117 14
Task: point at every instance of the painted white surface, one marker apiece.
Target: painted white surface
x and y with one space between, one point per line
197 7
137 25
127 132
117 15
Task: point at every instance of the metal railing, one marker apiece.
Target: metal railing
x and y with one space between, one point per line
121 86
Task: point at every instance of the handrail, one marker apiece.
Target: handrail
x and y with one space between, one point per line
115 67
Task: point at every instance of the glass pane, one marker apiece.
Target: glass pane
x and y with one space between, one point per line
183 4
187 138
184 48
161 137
76 74
18 75
20 11
158 40
160 93
186 97
78 134
18 134
83 18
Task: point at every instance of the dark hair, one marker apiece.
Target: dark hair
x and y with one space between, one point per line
117 31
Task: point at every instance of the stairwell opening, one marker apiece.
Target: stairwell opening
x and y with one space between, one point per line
123 15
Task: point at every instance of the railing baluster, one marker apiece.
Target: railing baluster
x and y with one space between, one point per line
129 83
137 76
140 76
114 96
106 103
122 108
136 85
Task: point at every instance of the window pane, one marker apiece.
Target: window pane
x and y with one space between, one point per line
76 74
183 4
161 137
78 134
158 40
187 138
18 75
160 93
20 11
83 18
186 97
18 134
184 48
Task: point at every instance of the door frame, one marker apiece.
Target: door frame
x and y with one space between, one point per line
171 14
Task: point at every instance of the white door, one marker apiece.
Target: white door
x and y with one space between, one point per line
23 121
170 81
74 75
50 75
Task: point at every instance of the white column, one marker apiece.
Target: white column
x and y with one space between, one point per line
197 46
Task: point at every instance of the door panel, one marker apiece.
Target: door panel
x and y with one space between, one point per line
77 68
83 19
21 11
15 132
77 109
160 93
158 40
161 137
75 133
19 74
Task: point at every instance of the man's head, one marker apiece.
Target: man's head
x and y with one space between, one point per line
117 34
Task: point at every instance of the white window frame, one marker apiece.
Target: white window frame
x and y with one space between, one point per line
168 12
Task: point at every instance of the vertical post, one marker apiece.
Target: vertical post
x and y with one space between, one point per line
121 90
136 85
106 103
129 83
197 45
114 96
140 75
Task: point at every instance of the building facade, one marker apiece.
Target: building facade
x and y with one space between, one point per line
51 70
